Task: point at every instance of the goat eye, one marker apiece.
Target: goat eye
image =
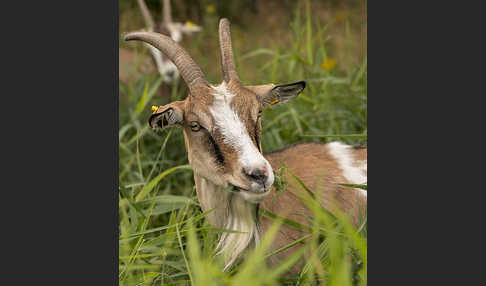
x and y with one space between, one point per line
195 126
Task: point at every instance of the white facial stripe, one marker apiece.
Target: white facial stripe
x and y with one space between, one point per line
233 130
342 154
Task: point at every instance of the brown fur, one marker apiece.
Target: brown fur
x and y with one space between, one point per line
360 154
319 171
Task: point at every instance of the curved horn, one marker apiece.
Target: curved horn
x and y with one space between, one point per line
167 16
227 57
189 70
147 17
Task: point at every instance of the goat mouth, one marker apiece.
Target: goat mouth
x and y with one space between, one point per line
236 189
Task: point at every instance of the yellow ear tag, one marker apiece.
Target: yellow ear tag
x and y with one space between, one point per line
189 24
274 101
154 108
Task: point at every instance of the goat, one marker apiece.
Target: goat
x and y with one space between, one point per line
222 130
175 30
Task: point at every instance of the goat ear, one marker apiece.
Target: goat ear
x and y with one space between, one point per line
168 115
270 95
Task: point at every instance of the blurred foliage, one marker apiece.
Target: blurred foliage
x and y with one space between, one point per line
164 238
344 22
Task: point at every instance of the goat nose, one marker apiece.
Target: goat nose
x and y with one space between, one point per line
256 174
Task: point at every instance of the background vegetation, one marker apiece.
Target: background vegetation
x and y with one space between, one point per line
164 238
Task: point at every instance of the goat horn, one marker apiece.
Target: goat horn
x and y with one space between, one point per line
227 57
147 17
167 17
189 70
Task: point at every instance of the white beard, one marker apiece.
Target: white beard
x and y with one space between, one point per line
231 212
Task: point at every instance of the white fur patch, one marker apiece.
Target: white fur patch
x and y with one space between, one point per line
234 132
342 154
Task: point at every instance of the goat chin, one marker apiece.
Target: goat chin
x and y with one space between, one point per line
253 198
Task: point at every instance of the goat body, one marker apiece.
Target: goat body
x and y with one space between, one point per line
319 166
322 168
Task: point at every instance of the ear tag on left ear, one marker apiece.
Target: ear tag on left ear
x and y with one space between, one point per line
154 108
275 101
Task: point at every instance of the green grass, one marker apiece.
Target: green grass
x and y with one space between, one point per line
165 238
